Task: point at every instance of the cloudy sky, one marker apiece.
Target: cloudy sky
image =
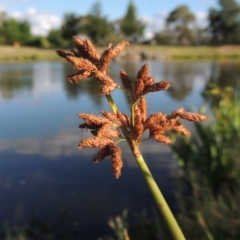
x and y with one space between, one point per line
44 15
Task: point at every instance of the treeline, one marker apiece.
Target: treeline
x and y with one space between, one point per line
180 28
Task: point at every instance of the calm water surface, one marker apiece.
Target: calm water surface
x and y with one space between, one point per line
41 168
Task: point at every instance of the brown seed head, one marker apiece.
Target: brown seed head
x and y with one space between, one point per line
81 64
159 86
64 54
127 83
193 117
143 107
182 130
124 119
142 77
158 136
112 118
138 123
86 49
109 54
154 120
102 154
94 142
117 162
81 75
108 131
93 119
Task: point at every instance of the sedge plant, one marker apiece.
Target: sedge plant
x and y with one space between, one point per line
113 126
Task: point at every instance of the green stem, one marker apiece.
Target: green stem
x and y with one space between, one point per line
152 185
159 199
112 104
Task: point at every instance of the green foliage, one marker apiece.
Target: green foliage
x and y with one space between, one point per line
212 154
130 26
12 31
39 41
179 20
96 26
224 23
69 27
56 39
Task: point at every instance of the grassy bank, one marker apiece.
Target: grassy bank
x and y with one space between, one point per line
165 53
194 53
19 54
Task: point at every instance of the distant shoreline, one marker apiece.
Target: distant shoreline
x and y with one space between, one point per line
9 54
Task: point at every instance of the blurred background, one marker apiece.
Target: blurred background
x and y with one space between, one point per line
50 189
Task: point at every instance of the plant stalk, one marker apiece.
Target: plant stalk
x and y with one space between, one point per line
159 199
152 185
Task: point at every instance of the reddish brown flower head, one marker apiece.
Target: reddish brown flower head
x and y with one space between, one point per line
115 126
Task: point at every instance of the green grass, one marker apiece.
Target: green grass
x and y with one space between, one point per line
196 53
164 53
20 54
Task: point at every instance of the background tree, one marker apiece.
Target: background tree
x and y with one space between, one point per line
179 20
224 23
130 26
70 25
12 31
95 25
56 39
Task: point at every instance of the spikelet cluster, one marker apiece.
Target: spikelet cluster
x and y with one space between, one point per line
110 127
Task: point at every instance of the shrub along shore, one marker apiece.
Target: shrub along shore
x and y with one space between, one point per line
136 52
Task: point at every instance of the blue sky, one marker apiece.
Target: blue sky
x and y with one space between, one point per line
46 14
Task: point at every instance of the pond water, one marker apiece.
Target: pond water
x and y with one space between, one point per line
42 171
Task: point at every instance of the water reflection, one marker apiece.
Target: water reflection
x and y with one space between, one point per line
225 75
41 168
15 79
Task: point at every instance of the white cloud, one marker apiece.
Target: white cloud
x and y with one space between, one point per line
1 8
41 23
154 24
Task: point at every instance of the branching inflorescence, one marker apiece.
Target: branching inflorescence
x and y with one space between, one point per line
112 126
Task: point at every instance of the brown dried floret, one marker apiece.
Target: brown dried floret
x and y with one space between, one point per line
87 49
175 113
124 119
159 86
149 81
168 124
81 75
143 107
154 119
93 119
117 162
138 123
193 117
158 136
112 117
142 76
107 88
190 116
103 78
92 51
182 130
127 83
109 54
102 154
108 131
64 53
81 64
94 142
